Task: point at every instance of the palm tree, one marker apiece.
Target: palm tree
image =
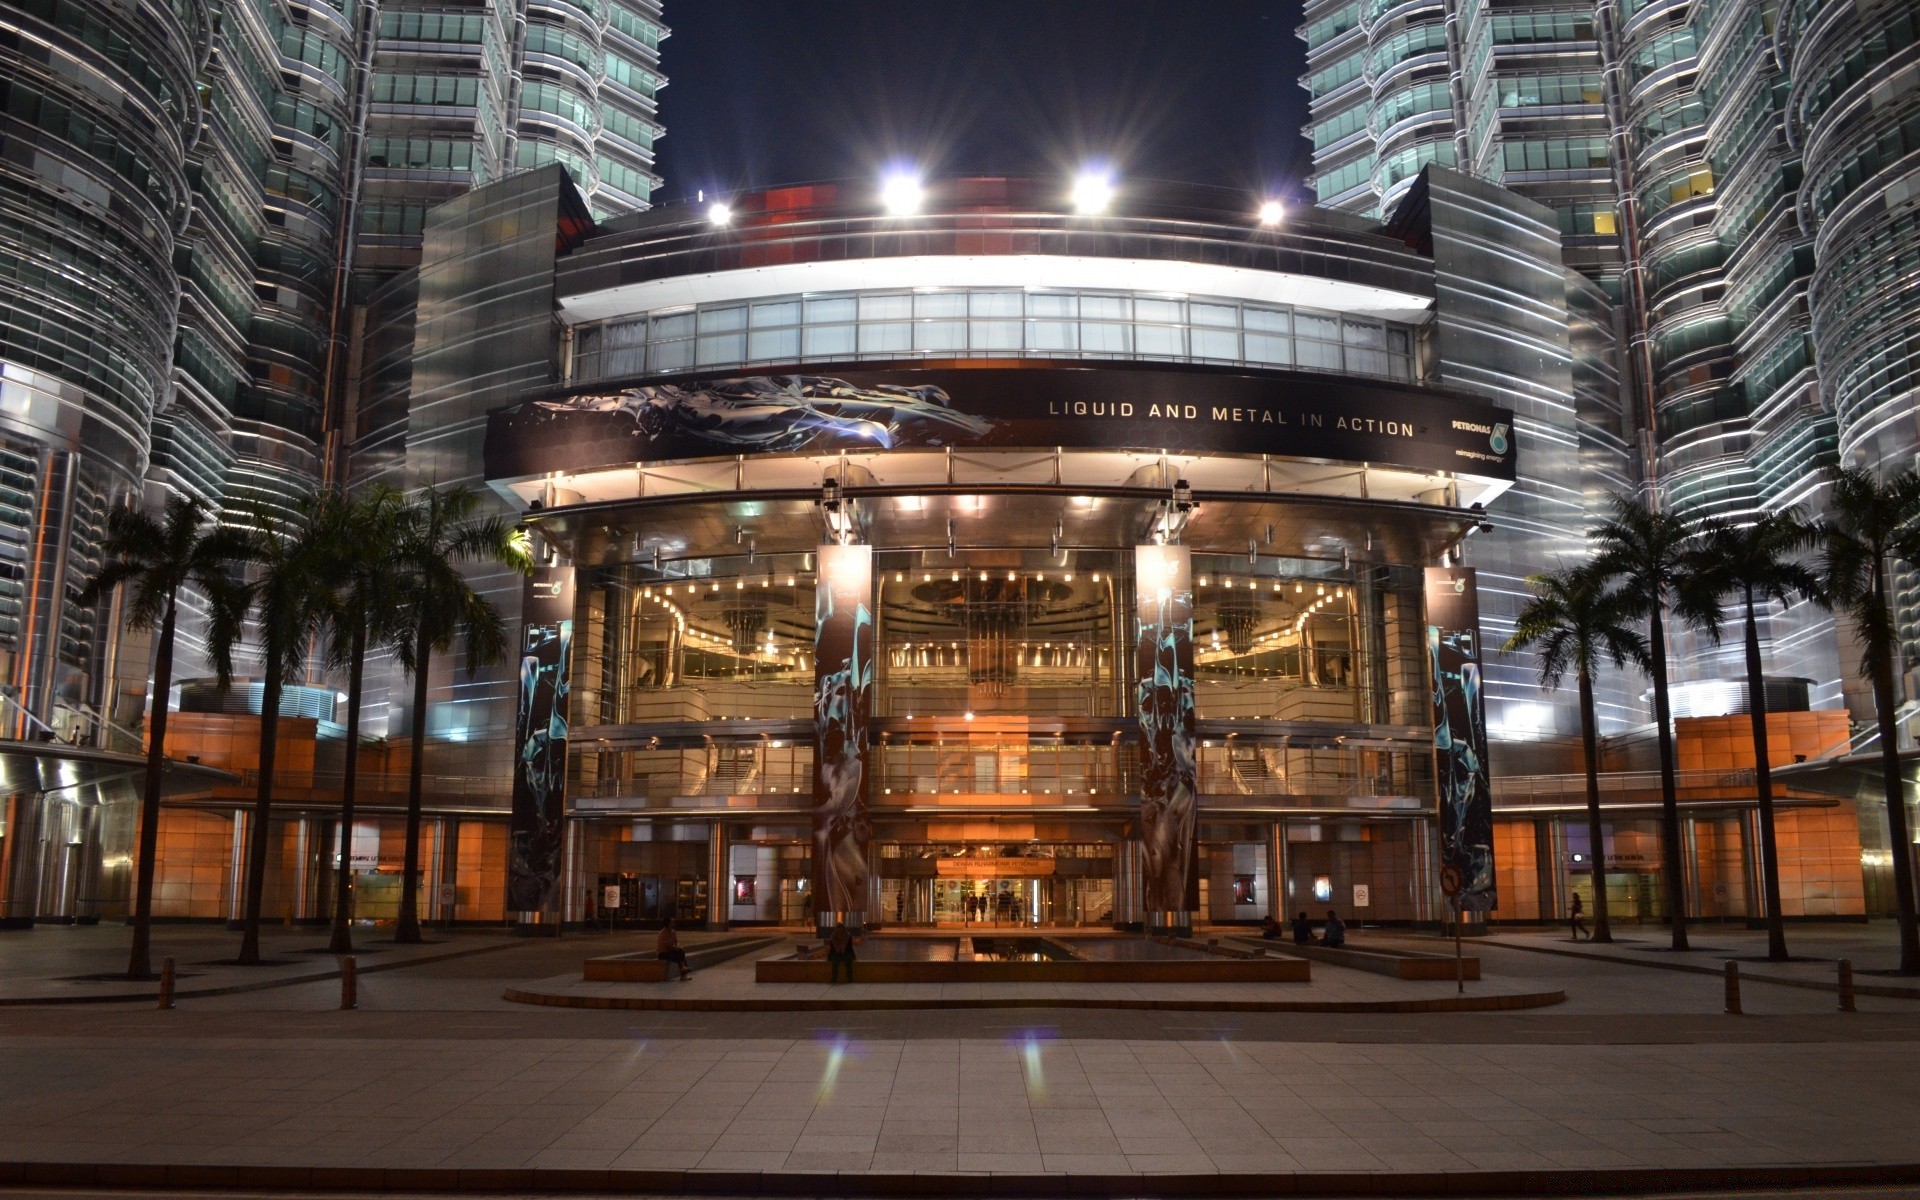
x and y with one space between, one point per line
1755 564
361 542
290 594
156 559
1646 550
1870 521
1575 620
438 533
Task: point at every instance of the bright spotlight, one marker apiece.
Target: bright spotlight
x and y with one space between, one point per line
1092 193
900 194
719 214
1272 212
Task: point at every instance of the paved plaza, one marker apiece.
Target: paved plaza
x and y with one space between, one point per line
1637 1071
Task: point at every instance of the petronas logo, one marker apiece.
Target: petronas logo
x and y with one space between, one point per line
1498 439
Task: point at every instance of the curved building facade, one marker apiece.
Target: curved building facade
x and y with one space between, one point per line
861 527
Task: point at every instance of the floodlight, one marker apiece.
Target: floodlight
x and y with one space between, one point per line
719 214
1092 193
900 194
1272 212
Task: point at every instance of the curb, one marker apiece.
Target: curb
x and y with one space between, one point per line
1885 990
662 1004
235 989
1634 1181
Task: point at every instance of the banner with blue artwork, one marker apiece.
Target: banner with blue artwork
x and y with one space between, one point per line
843 679
1163 582
536 831
1460 738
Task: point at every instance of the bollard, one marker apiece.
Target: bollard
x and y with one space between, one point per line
1846 986
166 983
1733 988
349 984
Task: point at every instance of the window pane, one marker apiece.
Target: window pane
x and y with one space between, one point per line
1321 356
940 335
835 309
1216 343
1269 348
1161 341
773 345
1053 335
780 313
824 341
1052 304
1105 339
940 304
672 356
886 308
1213 314
1167 311
677 325
876 338
1311 325
1105 308
1267 320
723 320
994 304
722 348
995 335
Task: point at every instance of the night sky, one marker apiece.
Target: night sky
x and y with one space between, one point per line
764 92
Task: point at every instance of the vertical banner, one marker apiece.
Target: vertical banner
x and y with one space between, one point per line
1163 589
843 649
1460 739
540 744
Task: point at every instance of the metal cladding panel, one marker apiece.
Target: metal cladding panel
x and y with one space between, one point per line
843 679
1460 738
540 745
1165 703
1501 334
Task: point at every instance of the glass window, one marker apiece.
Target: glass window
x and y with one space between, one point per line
721 349
824 310
1052 304
995 335
1167 311
673 325
994 304
780 313
1053 335
1099 338
897 307
940 304
940 335
826 341
1105 308
1216 343
774 345
1267 320
1269 348
1213 314
672 356
888 337
1159 341
723 320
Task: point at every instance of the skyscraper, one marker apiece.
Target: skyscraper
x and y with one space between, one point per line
202 196
1669 139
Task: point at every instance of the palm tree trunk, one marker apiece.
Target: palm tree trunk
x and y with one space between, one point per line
342 942
1763 788
1676 883
409 931
1596 837
1896 792
140 959
262 806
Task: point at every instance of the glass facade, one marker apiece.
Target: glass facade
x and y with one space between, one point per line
989 323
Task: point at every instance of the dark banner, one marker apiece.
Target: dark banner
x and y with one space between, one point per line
1296 415
1163 588
1460 738
843 648
540 744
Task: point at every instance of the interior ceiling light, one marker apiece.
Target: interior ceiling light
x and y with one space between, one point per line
1092 193
900 194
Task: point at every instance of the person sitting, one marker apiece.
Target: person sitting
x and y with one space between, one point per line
666 948
1302 930
839 952
1271 929
1336 931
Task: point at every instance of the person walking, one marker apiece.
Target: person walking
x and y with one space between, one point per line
1576 917
839 952
666 948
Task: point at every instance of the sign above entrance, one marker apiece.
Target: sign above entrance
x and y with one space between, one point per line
992 868
1291 414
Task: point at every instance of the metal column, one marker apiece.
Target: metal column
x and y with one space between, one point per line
719 876
20 861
